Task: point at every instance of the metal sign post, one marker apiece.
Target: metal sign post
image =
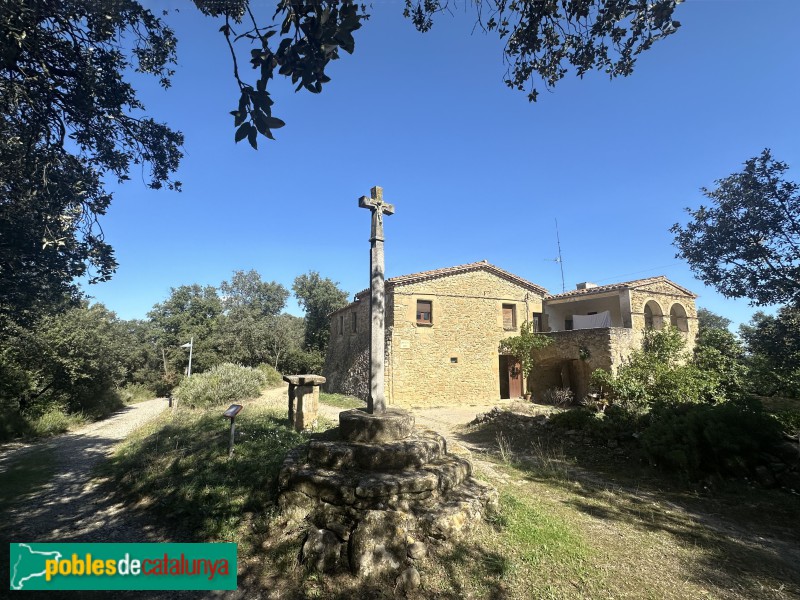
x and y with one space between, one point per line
230 413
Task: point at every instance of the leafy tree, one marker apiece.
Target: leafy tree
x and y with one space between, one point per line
285 335
319 298
72 360
719 353
68 120
707 319
243 339
773 352
542 39
747 243
247 292
191 311
251 305
147 360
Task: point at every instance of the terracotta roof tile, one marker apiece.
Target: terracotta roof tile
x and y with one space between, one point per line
447 271
619 286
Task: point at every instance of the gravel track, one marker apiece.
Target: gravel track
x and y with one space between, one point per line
69 507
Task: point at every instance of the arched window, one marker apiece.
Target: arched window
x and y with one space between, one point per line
653 315
677 317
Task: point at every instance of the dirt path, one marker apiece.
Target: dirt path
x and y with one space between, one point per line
69 507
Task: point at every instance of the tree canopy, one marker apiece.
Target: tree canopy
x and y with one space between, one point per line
69 119
746 244
319 298
246 292
773 348
544 40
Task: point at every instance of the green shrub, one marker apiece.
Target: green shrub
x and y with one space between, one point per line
696 439
271 377
54 421
222 384
616 423
789 421
13 425
576 418
135 392
659 372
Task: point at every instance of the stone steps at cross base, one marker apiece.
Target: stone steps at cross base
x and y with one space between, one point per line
362 489
414 452
448 517
463 506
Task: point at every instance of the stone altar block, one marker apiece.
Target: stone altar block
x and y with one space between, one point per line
303 400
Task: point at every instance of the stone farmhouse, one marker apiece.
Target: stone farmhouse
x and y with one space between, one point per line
444 327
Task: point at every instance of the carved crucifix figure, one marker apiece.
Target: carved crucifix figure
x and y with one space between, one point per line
376 403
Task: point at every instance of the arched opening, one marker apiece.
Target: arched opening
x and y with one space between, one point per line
677 317
653 315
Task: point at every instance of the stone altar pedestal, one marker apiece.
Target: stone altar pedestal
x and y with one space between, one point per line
303 400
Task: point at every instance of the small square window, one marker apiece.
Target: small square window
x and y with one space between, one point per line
424 312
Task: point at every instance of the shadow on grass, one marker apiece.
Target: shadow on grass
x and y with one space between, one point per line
744 541
181 471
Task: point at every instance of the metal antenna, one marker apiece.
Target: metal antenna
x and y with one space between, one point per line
559 260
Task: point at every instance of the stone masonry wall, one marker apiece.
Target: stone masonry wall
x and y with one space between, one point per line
572 356
456 358
347 358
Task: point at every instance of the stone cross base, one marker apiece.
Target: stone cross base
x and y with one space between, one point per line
371 502
303 400
360 426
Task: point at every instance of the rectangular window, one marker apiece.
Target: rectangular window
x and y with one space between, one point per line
355 322
424 312
537 321
341 324
509 316
568 324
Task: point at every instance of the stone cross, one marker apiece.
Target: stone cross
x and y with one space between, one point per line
376 403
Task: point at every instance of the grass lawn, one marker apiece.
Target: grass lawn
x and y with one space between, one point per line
341 401
565 530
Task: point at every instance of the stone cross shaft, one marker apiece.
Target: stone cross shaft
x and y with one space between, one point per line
376 403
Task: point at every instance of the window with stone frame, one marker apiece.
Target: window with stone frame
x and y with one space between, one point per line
355 322
424 312
509 317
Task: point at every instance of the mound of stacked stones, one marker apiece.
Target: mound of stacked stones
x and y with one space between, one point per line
373 498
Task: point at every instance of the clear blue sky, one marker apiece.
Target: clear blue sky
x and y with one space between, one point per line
474 170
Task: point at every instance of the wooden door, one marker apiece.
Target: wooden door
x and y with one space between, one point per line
510 378
514 378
